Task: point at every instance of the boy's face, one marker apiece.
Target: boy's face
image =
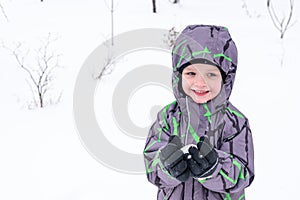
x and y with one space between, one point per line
202 82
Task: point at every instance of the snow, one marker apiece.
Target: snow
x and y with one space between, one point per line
42 155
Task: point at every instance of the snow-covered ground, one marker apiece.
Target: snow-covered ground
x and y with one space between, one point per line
42 156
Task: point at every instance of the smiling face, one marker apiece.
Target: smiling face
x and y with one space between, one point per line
202 82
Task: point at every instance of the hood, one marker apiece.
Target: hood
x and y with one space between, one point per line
205 42
212 45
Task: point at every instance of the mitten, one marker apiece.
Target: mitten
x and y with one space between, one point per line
204 159
174 160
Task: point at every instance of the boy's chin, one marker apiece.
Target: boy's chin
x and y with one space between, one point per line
200 101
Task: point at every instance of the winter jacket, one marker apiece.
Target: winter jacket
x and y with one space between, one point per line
227 128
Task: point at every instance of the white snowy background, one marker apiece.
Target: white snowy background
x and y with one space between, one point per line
41 155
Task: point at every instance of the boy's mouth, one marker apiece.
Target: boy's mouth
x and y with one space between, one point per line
201 92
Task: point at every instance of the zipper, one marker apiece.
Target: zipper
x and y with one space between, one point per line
189 120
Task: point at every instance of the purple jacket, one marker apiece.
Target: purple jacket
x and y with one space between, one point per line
227 128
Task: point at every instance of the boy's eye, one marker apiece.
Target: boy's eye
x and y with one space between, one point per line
190 73
211 74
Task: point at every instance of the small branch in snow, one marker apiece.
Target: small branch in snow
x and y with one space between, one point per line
41 74
281 24
3 12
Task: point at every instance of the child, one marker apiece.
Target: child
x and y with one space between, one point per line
200 146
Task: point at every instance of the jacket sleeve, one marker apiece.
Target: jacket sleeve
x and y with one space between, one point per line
157 138
235 170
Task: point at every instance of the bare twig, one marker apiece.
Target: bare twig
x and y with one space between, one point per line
106 65
249 13
112 9
40 75
154 10
281 24
3 12
171 37
105 70
154 6
290 16
174 1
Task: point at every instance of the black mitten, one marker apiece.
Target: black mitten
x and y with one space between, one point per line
204 159
174 160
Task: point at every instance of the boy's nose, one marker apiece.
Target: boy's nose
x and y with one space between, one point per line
200 80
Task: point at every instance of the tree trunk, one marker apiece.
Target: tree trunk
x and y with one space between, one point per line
112 22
